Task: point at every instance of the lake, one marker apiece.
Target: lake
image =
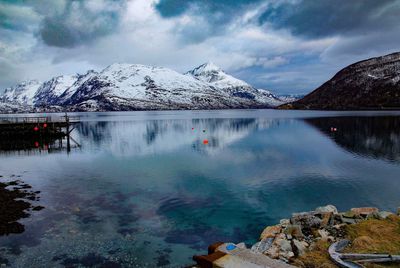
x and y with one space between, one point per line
152 189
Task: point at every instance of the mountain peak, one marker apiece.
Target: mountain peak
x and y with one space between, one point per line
210 66
205 68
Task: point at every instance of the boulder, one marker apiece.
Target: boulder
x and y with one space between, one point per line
307 219
285 249
299 247
327 208
327 219
364 211
284 222
398 211
294 230
349 214
308 222
323 234
349 220
384 214
270 232
241 245
262 246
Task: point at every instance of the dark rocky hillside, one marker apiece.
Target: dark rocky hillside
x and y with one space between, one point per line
369 84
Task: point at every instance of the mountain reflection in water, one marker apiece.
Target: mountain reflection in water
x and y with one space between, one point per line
126 138
145 190
376 137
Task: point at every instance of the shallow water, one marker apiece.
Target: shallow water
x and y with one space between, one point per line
142 189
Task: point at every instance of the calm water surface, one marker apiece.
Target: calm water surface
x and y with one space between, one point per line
142 189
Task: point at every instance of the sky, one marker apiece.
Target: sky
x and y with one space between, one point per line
286 46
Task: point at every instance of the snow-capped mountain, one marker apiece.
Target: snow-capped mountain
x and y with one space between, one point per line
21 94
122 87
211 73
50 91
214 75
368 84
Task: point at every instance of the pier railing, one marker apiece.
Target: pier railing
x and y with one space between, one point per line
38 120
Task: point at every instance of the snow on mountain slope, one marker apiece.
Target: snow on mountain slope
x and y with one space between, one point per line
21 94
140 87
50 91
122 87
133 86
211 73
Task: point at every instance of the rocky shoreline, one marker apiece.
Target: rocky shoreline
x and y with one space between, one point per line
305 232
311 240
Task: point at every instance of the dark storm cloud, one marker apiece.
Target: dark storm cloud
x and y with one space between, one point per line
283 45
323 18
62 23
215 15
79 23
305 17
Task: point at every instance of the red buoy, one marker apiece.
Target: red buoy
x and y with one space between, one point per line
44 125
36 128
205 141
36 144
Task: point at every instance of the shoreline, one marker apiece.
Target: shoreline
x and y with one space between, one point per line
304 239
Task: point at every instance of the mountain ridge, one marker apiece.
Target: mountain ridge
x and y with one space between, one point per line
124 87
371 84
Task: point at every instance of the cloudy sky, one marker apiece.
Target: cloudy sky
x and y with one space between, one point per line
287 46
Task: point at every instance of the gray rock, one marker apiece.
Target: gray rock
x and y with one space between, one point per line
327 208
384 214
348 220
241 245
324 235
307 221
285 249
262 246
299 247
284 245
284 222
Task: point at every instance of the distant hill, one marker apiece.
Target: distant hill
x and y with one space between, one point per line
369 84
128 87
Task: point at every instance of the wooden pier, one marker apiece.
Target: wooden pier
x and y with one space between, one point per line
24 132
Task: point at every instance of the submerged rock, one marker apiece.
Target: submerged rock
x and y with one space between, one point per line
15 204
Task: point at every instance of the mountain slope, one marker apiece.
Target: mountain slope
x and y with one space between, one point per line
122 87
214 75
368 84
50 91
21 94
